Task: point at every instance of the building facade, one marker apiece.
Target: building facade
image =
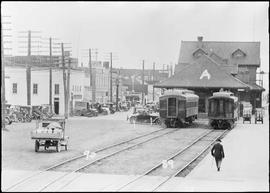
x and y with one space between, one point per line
208 66
80 90
239 59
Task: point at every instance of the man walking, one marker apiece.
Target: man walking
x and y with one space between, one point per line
218 153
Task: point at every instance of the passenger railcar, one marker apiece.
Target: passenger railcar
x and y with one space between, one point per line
223 110
178 107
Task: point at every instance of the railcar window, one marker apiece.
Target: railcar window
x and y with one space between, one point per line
228 109
163 104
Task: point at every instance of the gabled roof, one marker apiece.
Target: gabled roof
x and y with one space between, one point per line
223 50
203 73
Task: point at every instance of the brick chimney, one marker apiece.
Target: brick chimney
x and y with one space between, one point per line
200 39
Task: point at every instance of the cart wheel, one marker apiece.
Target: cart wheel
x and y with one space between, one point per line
58 146
36 146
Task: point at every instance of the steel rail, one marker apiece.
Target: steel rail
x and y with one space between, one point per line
170 157
186 165
75 158
103 157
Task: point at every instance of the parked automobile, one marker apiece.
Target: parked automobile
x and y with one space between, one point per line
89 112
142 115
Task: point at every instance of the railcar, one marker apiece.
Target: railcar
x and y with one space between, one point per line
223 110
178 107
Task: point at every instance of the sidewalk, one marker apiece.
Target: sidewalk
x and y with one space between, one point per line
245 167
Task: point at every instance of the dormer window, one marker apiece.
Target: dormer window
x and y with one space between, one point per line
198 53
238 54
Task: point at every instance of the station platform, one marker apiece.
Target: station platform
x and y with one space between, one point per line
245 168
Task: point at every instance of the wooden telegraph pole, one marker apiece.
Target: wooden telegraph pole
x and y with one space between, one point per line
143 82
154 81
111 78
28 70
68 86
64 81
117 90
2 82
50 76
3 89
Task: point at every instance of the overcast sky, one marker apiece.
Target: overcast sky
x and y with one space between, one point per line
134 31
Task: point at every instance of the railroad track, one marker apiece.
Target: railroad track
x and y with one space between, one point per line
72 164
182 159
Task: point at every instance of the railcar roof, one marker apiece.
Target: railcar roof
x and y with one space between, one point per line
183 93
224 95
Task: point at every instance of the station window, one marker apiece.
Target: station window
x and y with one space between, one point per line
14 88
35 88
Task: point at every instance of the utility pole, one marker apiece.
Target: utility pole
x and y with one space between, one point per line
143 82
68 85
29 63
90 75
3 89
50 76
111 78
3 98
92 78
117 90
64 81
153 81
28 70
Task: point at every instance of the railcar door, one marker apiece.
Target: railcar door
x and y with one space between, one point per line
181 109
172 107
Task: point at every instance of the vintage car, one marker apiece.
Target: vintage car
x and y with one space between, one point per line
142 115
50 132
259 115
89 112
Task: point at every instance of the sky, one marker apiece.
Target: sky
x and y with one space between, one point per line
137 31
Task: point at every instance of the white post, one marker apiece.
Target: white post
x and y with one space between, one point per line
134 122
151 120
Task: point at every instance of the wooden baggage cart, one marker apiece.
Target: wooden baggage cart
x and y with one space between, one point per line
50 132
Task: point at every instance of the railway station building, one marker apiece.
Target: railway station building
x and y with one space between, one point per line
206 67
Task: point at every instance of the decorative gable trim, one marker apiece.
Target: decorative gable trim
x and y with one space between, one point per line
197 53
238 53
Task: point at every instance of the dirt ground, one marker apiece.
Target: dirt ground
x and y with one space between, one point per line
85 134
